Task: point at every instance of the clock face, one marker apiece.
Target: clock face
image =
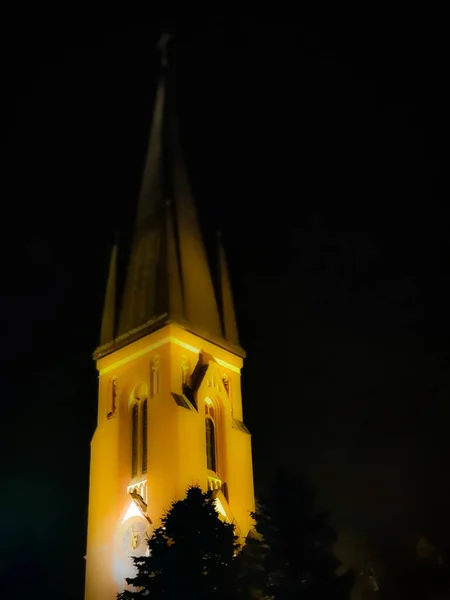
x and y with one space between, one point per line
132 538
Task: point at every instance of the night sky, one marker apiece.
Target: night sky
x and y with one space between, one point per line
320 149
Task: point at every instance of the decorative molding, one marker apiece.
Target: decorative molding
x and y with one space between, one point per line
158 323
154 346
155 368
239 425
114 392
214 482
185 368
112 397
141 504
226 383
215 382
156 362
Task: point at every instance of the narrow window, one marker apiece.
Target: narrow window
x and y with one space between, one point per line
134 439
144 436
210 444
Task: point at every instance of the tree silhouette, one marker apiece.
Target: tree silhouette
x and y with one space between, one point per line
191 554
298 559
195 555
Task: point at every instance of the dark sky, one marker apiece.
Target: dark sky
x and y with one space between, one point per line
320 149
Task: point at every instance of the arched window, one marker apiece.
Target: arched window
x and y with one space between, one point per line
210 439
134 439
139 429
144 436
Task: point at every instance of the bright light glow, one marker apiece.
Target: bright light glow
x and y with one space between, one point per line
132 511
220 509
208 401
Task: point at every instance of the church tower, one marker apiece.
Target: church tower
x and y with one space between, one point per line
169 364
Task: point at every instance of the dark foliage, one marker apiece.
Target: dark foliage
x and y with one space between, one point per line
298 543
423 581
191 554
194 554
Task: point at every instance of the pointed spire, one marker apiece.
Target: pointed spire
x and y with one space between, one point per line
109 309
199 297
152 185
151 192
168 275
139 303
228 313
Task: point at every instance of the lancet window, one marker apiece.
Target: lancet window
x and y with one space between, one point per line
144 436
134 439
210 428
139 431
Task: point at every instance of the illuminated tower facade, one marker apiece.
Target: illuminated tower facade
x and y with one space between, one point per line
169 364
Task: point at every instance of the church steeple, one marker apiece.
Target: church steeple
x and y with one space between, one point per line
168 276
169 366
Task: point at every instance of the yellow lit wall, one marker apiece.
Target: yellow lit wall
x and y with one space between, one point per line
176 442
